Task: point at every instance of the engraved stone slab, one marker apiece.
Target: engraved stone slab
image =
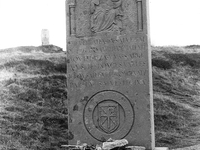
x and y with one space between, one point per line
109 72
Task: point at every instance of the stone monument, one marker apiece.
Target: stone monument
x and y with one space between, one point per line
109 75
45 36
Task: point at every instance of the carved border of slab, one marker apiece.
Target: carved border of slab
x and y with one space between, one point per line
140 15
72 18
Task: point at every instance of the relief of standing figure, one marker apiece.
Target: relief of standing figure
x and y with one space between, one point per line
106 15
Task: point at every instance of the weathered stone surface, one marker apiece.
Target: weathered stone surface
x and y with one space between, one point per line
109 72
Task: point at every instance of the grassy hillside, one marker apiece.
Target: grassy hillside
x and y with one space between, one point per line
33 96
176 84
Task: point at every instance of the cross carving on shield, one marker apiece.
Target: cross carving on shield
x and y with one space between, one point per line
108 117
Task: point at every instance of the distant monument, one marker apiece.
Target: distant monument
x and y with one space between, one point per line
109 72
45 36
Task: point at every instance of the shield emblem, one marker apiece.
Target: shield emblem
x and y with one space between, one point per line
108 117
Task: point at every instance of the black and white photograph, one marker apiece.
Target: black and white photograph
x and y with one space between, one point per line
99 75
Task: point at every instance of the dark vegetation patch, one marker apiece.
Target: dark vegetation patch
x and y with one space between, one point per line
191 59
161 63
50 49
192 46
168 57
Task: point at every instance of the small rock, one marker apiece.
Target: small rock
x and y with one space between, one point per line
98 147
135 148
114 143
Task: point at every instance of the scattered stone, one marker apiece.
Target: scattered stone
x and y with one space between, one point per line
161 148
110 144
135 148
98 147
79 146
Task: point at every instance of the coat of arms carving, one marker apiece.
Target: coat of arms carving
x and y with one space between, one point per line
108 117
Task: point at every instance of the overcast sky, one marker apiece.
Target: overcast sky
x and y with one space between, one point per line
172 22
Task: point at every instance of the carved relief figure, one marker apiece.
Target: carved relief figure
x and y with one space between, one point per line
106 15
